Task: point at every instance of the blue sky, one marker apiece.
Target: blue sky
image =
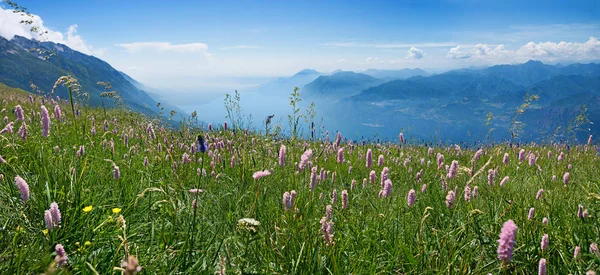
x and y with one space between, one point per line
195 43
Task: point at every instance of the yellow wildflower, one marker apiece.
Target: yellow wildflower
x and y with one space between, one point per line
87 243
45 231
87 208
116 210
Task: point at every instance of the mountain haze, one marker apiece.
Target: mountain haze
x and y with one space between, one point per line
24 62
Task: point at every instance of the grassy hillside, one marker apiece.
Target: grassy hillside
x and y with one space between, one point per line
129 188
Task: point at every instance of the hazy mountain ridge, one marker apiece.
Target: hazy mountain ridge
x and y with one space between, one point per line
23 62
454 104
395 74
339 85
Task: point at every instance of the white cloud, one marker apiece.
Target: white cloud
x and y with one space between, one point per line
137 47
387 45
544 51
457 53
563 50
414 53
10 25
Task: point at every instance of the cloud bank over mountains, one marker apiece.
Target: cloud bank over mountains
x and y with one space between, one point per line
545 51
11 25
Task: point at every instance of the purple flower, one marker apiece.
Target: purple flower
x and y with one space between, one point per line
225 126
594 249
580 211
372 177
590 140
81 151
401 138
478 154
259 174
566 178
561 156
467 193
282 155
23 188
411 197
61 255
45 122
530 215
542 268
453 169
384 175
23 131
506 242
48 220
450 199
424 188
544 243
313 178
55 212
8 128
545 221
380 160
387 189
327 230
549 154
505 159
440 160
531 159
521 155
475 191
344 199
340 155
287 201
491 176
57 112
539 194
504 181
577 253
19 113
116 172
304 159
328 211
369 158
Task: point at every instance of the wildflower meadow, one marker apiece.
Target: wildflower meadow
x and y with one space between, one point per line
107 191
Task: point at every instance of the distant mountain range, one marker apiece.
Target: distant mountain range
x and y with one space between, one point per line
24 62
339 85
454 105
395 74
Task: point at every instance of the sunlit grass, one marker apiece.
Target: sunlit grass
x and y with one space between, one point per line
148 211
